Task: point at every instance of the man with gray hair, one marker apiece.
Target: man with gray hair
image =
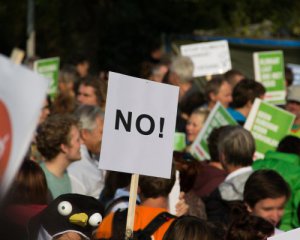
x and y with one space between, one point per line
85 176
236 148
181 74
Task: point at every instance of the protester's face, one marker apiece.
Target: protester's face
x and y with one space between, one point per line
293 107
224 96
83 68
44 112
193 126
93 138
158 76
86 95
73 148
271 209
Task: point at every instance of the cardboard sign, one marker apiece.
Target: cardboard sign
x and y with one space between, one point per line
22 93
17 55
268 125
209 58
290 235
139 126
269 70
49 68
217 117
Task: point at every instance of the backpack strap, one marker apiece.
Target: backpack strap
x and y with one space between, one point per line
155 224
123 199
119 225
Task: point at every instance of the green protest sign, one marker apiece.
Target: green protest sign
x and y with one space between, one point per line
179 141
217 117
269 70
49 68
268 125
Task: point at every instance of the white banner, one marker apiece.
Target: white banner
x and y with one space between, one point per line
209 58
22 93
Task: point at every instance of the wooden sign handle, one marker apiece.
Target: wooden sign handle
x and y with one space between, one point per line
131 206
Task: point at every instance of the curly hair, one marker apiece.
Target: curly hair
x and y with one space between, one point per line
54 132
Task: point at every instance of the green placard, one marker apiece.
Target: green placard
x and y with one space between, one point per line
269 70
179 141
49 68
217 117
268 125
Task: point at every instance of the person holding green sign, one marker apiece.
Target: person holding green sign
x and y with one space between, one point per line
243 97
195 124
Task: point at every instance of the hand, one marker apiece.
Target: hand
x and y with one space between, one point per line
182 207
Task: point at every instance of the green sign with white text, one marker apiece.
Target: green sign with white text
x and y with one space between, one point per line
217 117
268 125
49 68
269 70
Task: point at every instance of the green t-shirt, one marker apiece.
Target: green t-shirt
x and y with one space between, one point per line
56 185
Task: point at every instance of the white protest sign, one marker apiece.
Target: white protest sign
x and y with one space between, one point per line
209 58
139 126
22 93
290 235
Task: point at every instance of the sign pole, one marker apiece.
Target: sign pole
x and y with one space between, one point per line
131 206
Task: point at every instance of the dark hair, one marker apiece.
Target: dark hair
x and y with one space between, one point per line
264 184
249 228
212 143
54 132
213 86
231 74
79 58
188 228
99 86
237 145
113 181
289 76
29 186
289 144
153 187
245 91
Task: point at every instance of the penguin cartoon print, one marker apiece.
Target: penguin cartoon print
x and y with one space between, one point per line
68 213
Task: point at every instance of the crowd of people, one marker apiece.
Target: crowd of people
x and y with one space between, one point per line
60 193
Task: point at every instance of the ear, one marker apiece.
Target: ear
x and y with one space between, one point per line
249 104
222 160
63 148
84 134
249 209
212 97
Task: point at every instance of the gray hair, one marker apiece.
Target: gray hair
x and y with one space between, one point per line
87 116
237 145
183 67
